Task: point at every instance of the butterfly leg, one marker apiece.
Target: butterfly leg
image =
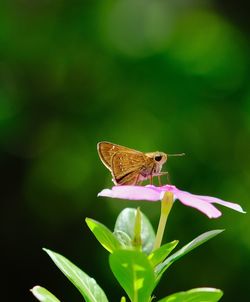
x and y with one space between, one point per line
168 179
137 182
159 177
159 180
151 179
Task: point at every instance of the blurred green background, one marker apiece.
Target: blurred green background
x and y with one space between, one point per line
151 75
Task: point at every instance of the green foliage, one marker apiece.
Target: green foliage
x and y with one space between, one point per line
135 274
195 295
103 235
137 240
43 295
160 269
86 285
123 238
125 223
157 256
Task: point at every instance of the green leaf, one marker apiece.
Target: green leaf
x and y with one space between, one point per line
160 269
134 272
87 286
123 238
137 241
103 235
43 295
123 299
195 295
157 256
126 222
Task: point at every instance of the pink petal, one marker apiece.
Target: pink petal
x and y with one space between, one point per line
153 193
132 193
227 204
197 203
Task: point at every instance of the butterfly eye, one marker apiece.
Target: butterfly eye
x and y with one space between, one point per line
158 158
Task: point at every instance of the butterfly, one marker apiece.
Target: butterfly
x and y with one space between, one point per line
129 166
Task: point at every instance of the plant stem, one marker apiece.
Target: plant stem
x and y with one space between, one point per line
166 205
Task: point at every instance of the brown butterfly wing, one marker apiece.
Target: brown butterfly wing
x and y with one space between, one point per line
128 179
107 150
126 167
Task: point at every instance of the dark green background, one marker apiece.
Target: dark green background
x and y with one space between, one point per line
151 75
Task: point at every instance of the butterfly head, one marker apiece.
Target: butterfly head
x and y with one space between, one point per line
159 157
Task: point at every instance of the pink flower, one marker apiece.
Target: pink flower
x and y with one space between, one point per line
151 193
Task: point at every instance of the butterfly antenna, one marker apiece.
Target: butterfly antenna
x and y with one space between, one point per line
178 154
